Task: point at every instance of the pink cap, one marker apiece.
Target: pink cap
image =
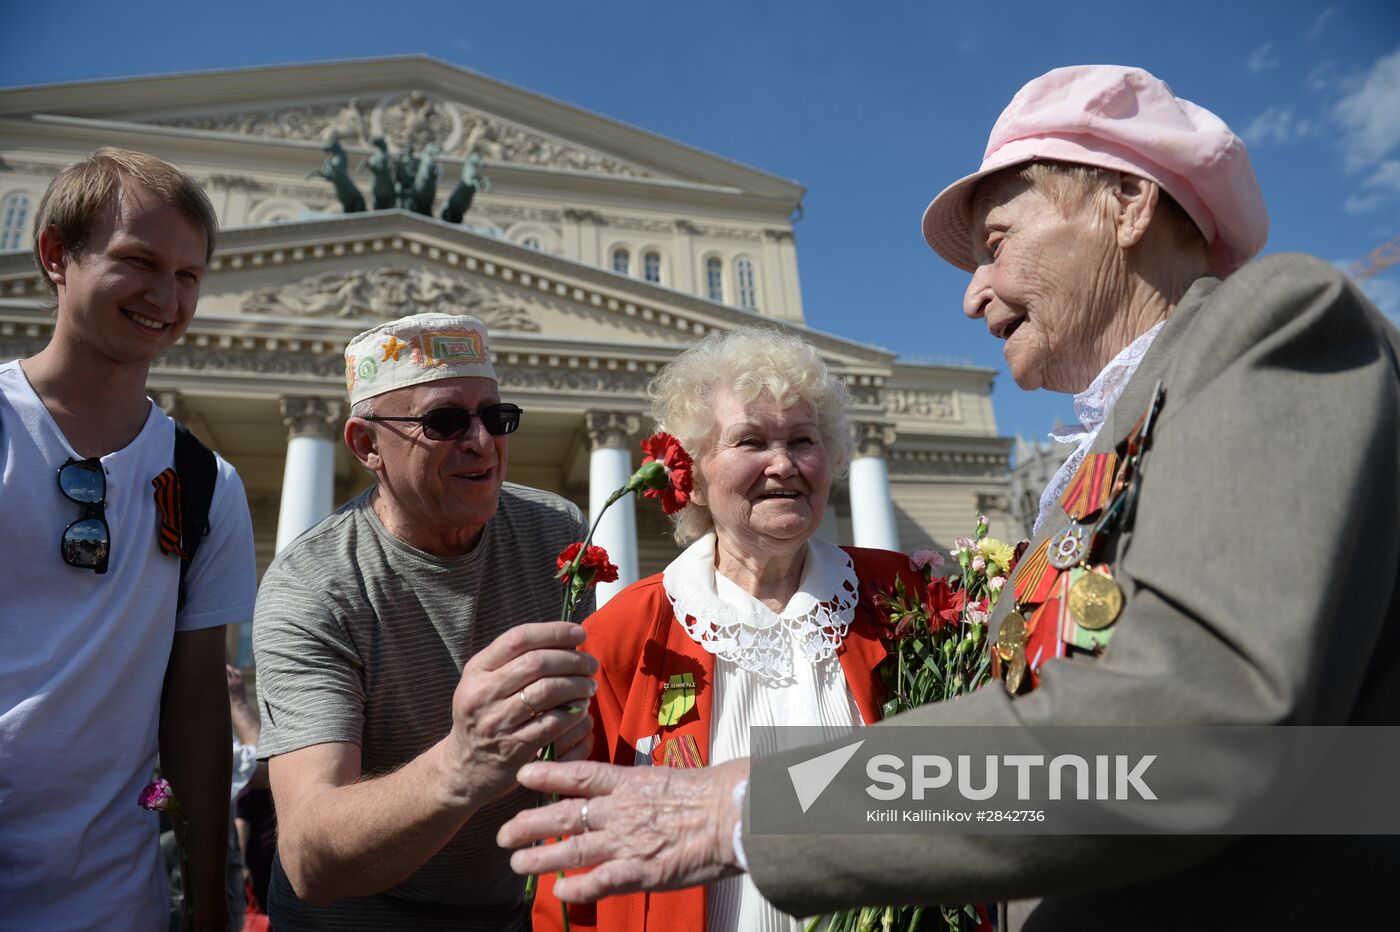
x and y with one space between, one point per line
1122 119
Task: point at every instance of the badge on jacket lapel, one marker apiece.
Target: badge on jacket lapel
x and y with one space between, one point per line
677 699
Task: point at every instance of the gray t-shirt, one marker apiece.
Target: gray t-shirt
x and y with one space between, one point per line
361 638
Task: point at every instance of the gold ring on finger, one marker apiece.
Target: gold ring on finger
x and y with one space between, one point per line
583 817
534 713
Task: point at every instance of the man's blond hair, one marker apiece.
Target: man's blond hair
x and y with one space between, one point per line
82 191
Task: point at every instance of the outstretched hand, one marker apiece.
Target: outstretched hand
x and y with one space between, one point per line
647 828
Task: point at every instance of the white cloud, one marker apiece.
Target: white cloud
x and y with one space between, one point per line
1381 187
1262 59
1321 21
1370 114
1277 125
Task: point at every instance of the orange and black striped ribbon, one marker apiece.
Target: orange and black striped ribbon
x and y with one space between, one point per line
1034 575
1089 489
167 486
682 752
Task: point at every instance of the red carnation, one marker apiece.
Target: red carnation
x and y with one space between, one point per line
592 569
671 483
945 604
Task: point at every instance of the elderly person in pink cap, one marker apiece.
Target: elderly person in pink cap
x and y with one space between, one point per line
405 665
1222 548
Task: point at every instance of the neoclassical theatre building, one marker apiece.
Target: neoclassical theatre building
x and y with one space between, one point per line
597 253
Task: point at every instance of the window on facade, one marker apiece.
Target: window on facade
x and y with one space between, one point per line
14 213
714 279
743 282
621 263
651 266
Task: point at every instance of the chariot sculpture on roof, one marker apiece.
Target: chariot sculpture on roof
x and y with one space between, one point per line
405 176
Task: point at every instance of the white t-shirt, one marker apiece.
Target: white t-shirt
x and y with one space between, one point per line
82 660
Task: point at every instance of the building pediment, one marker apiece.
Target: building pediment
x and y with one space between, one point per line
410 100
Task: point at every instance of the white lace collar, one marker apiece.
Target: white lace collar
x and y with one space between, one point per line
1091 406
729 623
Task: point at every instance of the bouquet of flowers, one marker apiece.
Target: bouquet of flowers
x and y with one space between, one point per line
665 474
939 649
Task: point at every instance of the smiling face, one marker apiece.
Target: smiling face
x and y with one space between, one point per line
132 292
1045 282
766 477
439 494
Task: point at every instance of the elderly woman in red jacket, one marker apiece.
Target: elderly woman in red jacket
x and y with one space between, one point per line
760 621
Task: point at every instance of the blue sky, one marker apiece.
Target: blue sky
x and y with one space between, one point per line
874 106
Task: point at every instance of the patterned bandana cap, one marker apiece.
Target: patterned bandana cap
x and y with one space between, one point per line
414 350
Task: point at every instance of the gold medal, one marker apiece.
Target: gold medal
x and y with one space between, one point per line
1011 647
1095 601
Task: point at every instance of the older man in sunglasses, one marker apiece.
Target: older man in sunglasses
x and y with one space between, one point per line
404 672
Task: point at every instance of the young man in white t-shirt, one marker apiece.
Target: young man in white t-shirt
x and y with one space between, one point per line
99 669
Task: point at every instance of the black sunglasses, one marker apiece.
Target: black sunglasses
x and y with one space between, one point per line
453 423
87 542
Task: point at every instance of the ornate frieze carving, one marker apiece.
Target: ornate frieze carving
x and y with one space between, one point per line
388 292
934 405
611 429
731 233
572 381
579 215
515 212
309 122
311 417
231 361
941 464
873 438
640 225
413 119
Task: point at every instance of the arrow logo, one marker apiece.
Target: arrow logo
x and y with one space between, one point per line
811 778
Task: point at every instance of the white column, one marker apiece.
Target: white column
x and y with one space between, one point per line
610 436
308 481
872 506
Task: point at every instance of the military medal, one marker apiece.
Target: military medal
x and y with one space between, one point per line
1067 547
1095 600
1011 647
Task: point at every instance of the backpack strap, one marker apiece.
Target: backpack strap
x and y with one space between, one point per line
198 471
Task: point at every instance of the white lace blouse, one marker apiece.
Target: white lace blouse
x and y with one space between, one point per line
770 669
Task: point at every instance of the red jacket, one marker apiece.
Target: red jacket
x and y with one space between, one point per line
640 646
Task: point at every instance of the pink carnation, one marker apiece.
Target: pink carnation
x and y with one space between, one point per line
926 558
159 797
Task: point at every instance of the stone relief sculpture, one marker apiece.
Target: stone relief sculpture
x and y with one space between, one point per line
335 170
413 119
349 125
388 292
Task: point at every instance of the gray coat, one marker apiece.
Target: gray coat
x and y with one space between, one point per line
1263 587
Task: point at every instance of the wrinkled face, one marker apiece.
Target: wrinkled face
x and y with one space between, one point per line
766 477
133 292
1042 283
443 486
